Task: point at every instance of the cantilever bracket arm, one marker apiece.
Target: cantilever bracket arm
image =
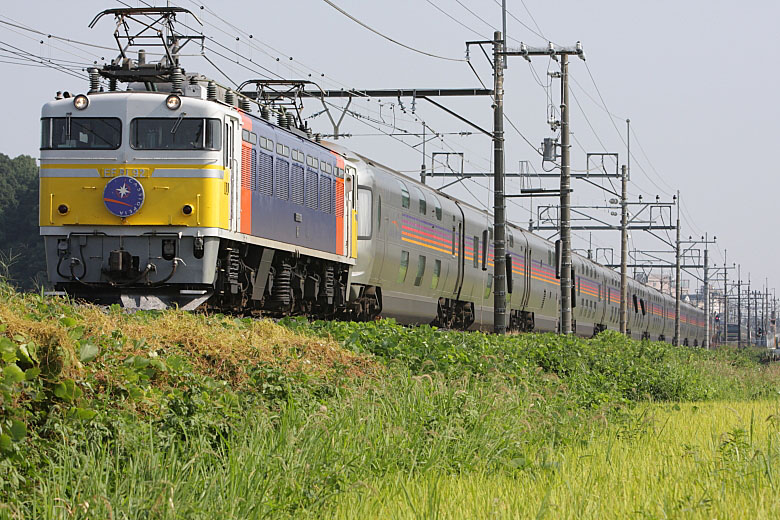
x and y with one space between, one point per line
458 116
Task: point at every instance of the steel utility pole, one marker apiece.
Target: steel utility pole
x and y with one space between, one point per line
499 247
623 249
677 289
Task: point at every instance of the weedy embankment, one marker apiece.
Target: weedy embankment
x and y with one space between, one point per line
177 415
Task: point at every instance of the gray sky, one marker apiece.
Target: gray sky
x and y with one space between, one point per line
694 77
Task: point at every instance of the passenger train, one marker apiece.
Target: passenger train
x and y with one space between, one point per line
175 193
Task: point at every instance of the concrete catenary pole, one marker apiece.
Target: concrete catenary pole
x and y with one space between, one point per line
739 306
765 307
566 262
499 208
677 289
748 312
624 249
725 319
422 168
707 333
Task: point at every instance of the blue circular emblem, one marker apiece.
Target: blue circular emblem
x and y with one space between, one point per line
123 196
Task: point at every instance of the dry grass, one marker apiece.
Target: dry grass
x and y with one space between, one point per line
219 346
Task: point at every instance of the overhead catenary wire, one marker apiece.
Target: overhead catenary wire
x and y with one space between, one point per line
36 59
448 15
368 27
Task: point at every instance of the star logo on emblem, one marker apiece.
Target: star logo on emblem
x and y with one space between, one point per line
123 191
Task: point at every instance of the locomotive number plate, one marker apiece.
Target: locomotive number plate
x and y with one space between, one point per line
119 171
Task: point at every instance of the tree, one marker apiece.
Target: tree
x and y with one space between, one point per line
22 252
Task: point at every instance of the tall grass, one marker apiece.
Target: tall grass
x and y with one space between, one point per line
715 460
174 415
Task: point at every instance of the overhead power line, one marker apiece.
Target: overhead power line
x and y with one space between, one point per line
67 40
448 15
366 26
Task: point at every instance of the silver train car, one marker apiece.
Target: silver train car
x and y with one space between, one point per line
426 254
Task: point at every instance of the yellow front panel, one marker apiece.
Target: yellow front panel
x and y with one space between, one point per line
164 197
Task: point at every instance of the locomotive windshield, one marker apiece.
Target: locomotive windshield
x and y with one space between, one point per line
183 133
82 133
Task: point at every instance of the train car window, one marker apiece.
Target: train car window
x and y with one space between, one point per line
511 240
642 304
636 305
404 267
378 212
404 195
365 215
226 153
81 133
421 200
282 150
476 251
452 242
488 286
436 274
420 270
249 137
437 207
169 133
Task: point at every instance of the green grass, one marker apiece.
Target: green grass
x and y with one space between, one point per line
174 415
714 460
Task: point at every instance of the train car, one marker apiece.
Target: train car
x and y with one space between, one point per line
429 257
172 192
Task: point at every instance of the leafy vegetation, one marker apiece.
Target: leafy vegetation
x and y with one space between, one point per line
104 414
22 259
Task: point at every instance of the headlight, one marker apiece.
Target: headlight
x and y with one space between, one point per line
81 102
173 102
63 209
187 209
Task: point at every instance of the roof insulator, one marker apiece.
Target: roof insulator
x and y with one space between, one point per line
94 80
177 79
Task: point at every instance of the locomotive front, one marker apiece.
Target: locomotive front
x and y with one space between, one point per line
135 188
